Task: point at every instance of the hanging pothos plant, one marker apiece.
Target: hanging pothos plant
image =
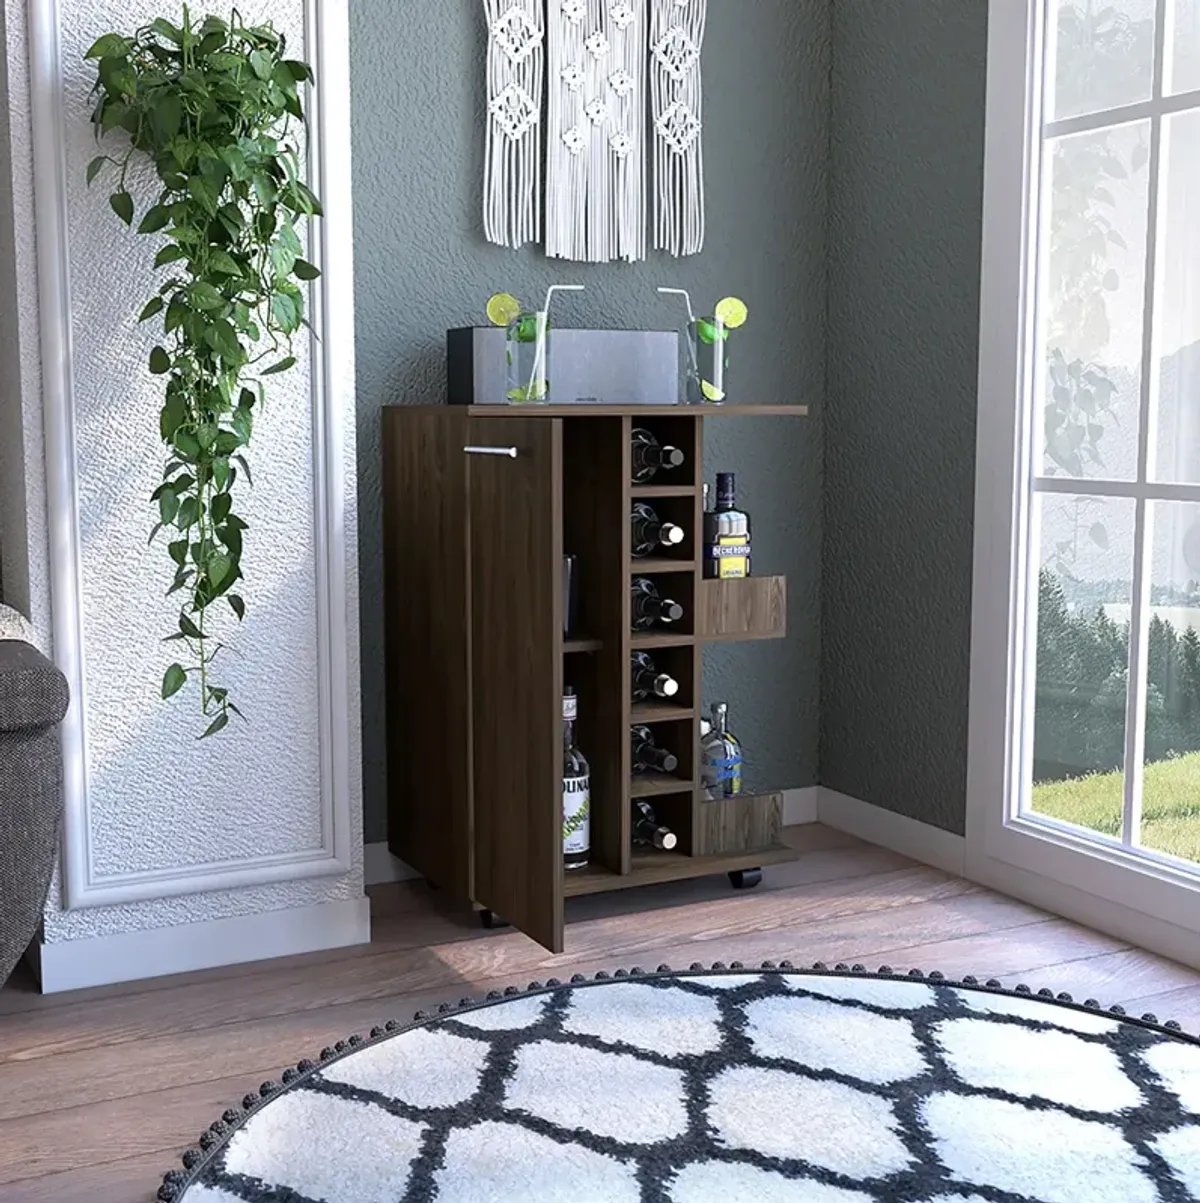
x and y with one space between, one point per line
213 108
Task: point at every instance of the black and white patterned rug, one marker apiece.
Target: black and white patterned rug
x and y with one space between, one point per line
716 1086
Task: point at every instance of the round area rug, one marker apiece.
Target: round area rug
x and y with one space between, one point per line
717 1086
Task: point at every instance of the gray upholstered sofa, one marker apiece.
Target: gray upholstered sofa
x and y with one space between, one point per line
33 700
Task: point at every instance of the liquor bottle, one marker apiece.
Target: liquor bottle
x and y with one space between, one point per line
649 455
648 832
651 534
577 794
647 681
647 756
721 758
649 608
726 534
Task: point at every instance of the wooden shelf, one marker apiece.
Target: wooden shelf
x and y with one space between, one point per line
646 640
637 411
641 492
582 645
659 712
652 785
595 879
658 565
652 867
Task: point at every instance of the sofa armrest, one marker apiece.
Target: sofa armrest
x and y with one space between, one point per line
33 693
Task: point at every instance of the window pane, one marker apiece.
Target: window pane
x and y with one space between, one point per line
1171 794
1183 49
1103 54
1091 301
1177 311
1084 592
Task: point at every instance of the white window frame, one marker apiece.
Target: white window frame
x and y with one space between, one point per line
1108 883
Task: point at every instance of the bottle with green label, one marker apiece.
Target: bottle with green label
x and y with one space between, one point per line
577 791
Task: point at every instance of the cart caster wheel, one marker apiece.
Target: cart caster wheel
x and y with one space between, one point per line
491 920
745 879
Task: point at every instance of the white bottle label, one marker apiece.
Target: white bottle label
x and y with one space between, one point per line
577 815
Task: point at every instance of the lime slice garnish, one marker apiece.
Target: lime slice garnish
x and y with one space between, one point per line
711 392
503 308
732 312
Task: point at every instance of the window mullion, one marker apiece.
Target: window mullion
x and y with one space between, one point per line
1143 557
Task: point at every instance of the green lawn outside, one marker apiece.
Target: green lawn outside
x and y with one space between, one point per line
1170 807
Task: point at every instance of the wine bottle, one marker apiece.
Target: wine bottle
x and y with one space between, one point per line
651 534
647 831
721 758
726 534
577 793
649 608
647 756
649 455
646 681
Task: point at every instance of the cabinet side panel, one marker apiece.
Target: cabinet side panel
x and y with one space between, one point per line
428 643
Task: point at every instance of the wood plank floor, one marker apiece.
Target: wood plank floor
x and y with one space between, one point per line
100 1090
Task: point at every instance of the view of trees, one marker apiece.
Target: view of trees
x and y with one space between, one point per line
1082 670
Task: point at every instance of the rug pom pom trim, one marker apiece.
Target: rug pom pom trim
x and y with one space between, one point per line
214 1138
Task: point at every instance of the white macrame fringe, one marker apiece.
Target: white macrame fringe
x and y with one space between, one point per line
595 137
512 187
676 41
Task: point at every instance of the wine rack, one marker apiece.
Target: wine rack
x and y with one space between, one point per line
480 505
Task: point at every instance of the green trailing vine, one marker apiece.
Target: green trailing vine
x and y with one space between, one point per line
213 108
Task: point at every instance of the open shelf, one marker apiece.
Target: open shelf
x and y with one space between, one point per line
657 565
646 640
650 785
595 879
649 492
583 645
659 712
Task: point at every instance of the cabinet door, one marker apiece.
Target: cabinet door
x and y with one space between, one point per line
516 659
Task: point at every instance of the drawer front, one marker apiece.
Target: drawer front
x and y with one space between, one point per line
751 823
753 608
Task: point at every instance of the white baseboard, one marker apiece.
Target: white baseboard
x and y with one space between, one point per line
929 845
132 956
381 867
800 805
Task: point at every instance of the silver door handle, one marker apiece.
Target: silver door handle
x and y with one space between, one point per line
507 452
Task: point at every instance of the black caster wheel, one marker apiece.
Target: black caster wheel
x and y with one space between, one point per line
432 885
745 879
491 920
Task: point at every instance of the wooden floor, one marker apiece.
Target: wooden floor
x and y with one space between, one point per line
100 1090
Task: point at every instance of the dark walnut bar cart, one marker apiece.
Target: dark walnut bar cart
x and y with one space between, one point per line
480 505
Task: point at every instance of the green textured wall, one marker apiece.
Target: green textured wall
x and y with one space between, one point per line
422 265
906 188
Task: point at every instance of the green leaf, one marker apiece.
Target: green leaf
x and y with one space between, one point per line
168 506
177 311
220 471
245 467
305 270
224 262
165 29
160 361
300 72
189 511
223 339
204 296
122 206
237 606
287 312
168 115
218 724
152 306
156 218
154 532
174 414
187 445
218 568
204 194
189 628
221 505
178 551
171 253
173 681
282 366
262 64
93 168
110 44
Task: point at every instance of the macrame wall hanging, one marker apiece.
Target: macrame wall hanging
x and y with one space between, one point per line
676 42
598 60
512 189
595 133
